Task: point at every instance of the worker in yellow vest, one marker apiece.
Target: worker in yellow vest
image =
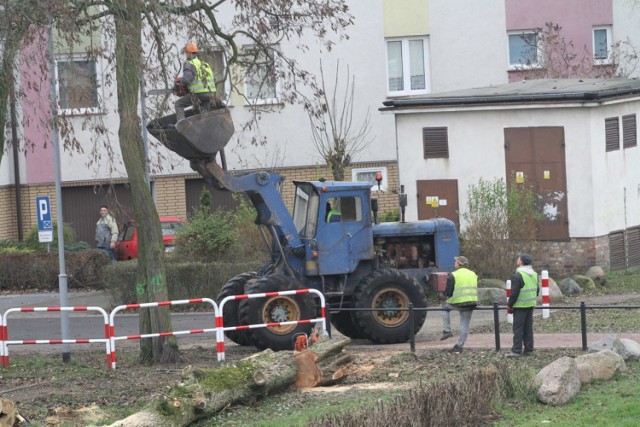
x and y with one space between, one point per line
198 78
524 296
462 293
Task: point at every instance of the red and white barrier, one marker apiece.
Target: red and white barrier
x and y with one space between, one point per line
546 302
220 320
4 331
112 329
509 315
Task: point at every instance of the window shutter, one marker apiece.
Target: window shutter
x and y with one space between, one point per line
612 133
616 251
629 131
435 142
633 246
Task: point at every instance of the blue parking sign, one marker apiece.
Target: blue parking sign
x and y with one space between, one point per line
45 226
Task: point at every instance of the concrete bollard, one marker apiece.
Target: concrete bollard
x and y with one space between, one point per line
509 315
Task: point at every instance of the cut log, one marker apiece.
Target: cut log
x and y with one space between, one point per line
8 413
205 392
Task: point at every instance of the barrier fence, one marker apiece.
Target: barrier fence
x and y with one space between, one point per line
4 330
110 330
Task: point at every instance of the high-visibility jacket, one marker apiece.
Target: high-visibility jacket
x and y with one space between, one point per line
529 292
465 287
203 80
334 216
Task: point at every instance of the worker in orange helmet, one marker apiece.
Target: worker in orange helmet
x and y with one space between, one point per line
198 78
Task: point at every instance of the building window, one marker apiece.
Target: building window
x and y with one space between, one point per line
261 83
602 44
407 66
77 84
629 131
612 133
523 50
435 143
369 175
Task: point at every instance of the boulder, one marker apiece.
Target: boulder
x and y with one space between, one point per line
631 347
488 296
604 364
596 273
558 382
585 373
569 286
611 342
585 282
492 283
555 294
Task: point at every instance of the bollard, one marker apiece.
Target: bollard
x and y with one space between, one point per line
545 294
583 325
496 325
412 332
509 315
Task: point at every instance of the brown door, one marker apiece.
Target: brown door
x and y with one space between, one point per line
535 157
438 198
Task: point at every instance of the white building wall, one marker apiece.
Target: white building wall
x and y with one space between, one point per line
602 189
468 44
626 33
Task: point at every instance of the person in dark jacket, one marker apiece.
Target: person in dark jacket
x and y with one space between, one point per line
524 295
462 293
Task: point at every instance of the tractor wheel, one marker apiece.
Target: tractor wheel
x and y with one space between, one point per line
235 286
345 323
276 309
388 289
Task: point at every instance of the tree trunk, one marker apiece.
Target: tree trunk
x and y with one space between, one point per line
151 284
205 392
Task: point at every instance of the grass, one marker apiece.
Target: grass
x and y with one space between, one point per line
618 282
607 403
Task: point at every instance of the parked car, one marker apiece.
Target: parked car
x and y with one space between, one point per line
127 244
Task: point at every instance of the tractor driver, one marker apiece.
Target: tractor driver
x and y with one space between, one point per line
198 77
333 213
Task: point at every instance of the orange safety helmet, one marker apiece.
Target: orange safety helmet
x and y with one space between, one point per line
191 48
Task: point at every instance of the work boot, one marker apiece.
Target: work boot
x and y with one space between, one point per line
445 335
456 349
514 354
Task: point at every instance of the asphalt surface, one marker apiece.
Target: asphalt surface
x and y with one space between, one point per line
90 324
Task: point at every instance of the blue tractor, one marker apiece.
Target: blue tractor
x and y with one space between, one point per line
332 243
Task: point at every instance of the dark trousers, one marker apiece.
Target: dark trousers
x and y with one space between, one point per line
522 329
203 101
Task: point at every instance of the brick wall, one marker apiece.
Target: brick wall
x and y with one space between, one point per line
562 259
170 196
8 224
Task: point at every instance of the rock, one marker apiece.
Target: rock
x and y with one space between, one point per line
631 347
585 373
569 286
596 273
604 364
487 296
555 294
611 342
558 382
492 283
585 282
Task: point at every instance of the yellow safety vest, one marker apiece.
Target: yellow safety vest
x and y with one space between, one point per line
466 287
529 292
204 80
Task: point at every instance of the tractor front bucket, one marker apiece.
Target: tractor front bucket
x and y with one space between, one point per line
198 136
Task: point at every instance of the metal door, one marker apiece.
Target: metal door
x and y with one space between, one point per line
438 198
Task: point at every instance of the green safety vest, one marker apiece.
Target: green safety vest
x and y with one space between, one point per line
466 287
204 80
336 213
529 293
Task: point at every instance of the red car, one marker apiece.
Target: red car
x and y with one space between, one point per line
127 244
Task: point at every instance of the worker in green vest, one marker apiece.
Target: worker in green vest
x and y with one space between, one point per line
462 293
198 78
524 296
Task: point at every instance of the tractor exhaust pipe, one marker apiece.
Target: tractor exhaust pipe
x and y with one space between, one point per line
403 202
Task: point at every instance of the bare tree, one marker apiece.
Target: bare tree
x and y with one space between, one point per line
335 135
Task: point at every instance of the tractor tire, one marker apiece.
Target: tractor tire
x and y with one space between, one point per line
345 324
276 309
389 289
231 315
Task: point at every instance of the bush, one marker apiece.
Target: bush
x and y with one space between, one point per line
68 233
40 271
184 279
390 216
499 224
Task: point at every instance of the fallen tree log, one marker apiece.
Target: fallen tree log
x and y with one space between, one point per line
205 392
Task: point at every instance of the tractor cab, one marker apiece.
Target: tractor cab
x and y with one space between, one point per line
334 222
